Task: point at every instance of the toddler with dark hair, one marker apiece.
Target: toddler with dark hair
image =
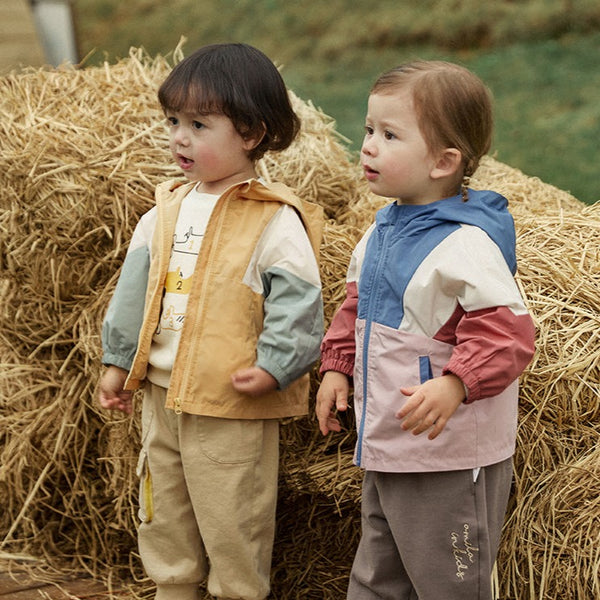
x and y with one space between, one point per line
218 310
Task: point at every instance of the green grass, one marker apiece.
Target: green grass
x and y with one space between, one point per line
546 97
539 57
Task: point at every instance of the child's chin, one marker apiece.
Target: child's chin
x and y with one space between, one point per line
379 190
190 176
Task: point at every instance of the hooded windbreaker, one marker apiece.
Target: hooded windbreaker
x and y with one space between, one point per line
236 317
430 291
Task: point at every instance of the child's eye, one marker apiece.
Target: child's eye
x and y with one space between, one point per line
388 135
172 121
368 130
197 125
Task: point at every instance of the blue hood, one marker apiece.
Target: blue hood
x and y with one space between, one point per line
485 209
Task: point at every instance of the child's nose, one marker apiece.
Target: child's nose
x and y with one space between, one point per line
181 137
369 148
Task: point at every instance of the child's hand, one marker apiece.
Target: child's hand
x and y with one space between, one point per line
112 396
253 381
431 404
333 391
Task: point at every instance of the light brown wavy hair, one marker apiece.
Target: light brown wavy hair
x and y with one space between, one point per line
452 105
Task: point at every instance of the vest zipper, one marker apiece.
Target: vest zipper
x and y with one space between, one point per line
190 323
177 403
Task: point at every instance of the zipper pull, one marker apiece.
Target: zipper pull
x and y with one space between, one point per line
178 409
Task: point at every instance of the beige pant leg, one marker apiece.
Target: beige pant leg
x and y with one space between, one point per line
213 500
231 471
170 544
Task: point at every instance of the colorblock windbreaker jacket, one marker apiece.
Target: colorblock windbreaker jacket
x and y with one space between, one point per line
238 314
430 291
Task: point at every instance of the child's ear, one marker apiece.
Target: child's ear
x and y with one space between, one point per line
250 142
447 164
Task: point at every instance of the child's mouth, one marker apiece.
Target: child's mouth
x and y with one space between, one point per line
370 174
184 162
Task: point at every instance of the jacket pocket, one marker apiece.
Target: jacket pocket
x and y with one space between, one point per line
425 372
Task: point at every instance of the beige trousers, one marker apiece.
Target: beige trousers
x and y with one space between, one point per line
208 495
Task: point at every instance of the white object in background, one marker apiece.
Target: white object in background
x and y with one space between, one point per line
54 22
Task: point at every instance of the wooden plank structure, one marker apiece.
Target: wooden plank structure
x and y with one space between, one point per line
19 41
22 586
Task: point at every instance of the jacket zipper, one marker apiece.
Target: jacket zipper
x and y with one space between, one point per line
371 305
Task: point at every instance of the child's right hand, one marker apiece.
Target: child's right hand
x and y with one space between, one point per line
333 391
112 396
431 404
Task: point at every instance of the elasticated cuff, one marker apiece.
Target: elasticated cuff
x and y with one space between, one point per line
178 591
334 363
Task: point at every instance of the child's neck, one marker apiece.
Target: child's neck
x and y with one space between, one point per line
218 187
440 191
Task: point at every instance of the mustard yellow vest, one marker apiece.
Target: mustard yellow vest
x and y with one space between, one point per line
224 316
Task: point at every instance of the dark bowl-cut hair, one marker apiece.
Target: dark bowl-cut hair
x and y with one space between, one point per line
240 82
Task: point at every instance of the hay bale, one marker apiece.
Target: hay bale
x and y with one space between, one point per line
81 153
318 165
528 196
556 528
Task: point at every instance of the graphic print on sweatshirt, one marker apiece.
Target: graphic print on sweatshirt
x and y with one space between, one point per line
192 221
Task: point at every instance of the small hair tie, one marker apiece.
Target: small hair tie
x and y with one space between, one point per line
465 188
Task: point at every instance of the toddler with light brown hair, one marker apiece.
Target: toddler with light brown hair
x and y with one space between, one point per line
433 335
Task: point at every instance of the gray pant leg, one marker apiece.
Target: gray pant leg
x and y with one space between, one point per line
378 571
444 527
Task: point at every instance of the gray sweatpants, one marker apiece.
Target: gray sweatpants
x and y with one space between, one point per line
430 536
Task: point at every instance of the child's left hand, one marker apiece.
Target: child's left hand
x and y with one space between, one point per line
431 404
253 381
